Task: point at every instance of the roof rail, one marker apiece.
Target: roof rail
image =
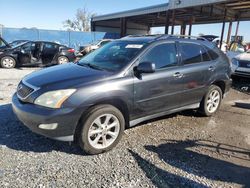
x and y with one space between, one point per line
128 36
180 36
166 36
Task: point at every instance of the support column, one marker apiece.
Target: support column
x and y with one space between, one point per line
173 22
123 27
237 30
167 22
190 26
229 32
183 29
148 30
223 27
93 28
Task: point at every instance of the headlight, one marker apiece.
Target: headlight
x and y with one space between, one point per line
54 99
235 62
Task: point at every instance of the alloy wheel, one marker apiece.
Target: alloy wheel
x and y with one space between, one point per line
213 101
104 131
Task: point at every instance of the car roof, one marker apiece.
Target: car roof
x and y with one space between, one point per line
139 38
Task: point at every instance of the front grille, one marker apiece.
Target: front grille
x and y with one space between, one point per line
245 64
23 90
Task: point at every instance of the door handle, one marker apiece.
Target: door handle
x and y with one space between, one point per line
211 68
178 75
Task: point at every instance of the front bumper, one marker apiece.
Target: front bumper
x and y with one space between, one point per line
32 116
228 85
241 71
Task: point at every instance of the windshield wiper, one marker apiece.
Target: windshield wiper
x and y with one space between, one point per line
94 66
91 66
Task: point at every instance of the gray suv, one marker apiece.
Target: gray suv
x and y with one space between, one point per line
123 83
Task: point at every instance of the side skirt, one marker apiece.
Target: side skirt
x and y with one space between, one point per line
142 119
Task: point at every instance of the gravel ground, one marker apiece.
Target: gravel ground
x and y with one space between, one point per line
180 150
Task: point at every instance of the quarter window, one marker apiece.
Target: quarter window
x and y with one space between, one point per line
163 55
212 54
205 56
190 53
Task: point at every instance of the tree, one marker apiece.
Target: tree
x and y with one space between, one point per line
81 22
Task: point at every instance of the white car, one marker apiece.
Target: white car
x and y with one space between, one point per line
94 46
241 64
224 46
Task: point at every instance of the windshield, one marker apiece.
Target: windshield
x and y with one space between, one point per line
113 56
17 43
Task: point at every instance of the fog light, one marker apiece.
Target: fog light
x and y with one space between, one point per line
51 126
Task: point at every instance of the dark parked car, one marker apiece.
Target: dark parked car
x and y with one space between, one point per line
120 85
36 53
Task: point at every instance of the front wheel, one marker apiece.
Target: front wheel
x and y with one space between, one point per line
102 129
211 102
8 62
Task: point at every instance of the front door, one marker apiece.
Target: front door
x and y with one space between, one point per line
159 91
25 53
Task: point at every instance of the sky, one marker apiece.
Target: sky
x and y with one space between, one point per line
50 14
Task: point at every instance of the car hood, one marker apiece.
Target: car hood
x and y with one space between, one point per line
4 49
243 57
63 76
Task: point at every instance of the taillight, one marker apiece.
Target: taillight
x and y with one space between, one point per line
71 50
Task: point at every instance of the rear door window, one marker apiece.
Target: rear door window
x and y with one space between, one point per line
190 53
50 48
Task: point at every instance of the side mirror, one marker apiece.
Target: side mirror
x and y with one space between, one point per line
146 67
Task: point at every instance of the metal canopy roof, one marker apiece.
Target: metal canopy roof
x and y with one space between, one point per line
134 12
200 11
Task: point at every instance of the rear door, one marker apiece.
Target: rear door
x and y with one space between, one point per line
49 50
196 69
159 91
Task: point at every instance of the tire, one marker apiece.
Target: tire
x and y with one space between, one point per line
8 62
62 60
95 122
211 101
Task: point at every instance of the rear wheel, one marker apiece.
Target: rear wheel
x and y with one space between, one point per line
102 129
211 102
62 60
8 62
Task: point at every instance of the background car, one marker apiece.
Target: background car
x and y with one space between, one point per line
40 53
91 47
241 65
210 37
215 39
224 46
